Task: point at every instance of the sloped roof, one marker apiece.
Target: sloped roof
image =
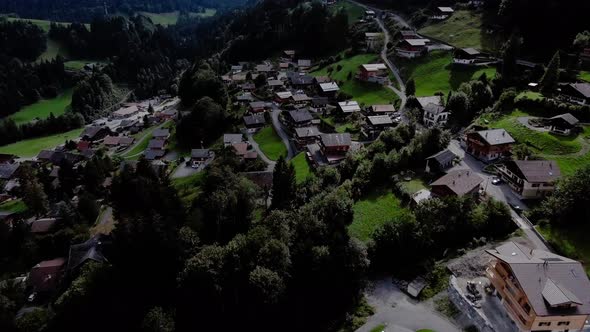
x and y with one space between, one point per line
329 87
434 109
200 153
374 66
299 116
161 132
444 157
460 182
349 106
92 131
535 171
250 120
379 120
496 136
471 51
307 132
567 117
89 250
8 170
44 225
111 140
383 108
583 88
156 144
336 139
232 138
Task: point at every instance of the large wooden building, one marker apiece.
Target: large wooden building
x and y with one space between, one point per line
489 145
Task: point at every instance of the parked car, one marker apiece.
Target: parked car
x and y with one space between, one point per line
515 207
496 180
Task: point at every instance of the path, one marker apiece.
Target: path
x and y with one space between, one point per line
276 123
271 163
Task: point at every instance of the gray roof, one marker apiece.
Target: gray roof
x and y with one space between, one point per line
255 119
567 117
90 132
583 88
299 116
89 250
232 138
8 170
301 97
444 157
434 109
275 83
536 171
307 132
336 139
161 133
156 144
379 120
437 100
263 68
200 153
460 182
547 279
151 154
496 136
257 104
471 51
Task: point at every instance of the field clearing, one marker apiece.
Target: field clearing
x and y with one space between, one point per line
354 11
570 242
362 92
171 18
373 211
42 108
436 73
302 169
43 24
584 75
31 147
188 188
270 143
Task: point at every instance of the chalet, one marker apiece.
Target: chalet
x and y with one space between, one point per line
91 250
373 40
111 141
257 106
376 124
457 183
240 149
8 171
381 109
264 68
168 114
303 64
440 162
283 97
578 93
563 124
57 157
157 144
161 134
300 99
275 84
466 56
154 154
248 87
254 121
489 145
236 69
540 290
442 13
200 156
299 118
300 80
349 107
374 73
411 48
435 116
424 101
47 275
319 103
126 112
126 141
306 135
530 178
94 133
230 139
329 89
409 34
237 78
322 79
334 147
245 97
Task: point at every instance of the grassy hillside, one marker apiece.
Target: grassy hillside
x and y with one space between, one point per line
172 17
270 143
435 73
372 211
302 169
354 11
367 93
42 108
32 147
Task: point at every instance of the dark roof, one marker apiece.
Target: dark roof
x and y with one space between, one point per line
536 171
582 88
161 133
460 182
380 120
567 117
255 119
156 144
125 140
44 225
320 101
298 79
56 157
92 131
299 116
200 153
496 136
444 157
232 138
301 97
89 250
434 109
336 139
45 154
383 108
257 104
151 154
8 170
547 279
307 132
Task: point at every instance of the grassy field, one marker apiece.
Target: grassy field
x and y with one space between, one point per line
572 243
463 29
435 73
188 188
32 147
43 24
171 18
340 127
302 169
354 11
16 206
584 75
42 108
365 93
372 211
54 48
270 143
415 185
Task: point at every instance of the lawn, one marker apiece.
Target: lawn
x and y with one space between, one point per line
362 92
373 211
188 188
463 29
354 11
584 75
572 242
436 73
415 185
531 95
270 143
378 328
32 147
302 169
171 18
42 108
15 206
340 127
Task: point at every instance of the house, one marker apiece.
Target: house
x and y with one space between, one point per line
240 149
457 183
91 250
442 13
154 154
230 139
300 99
94 133
540 290
44 225
289 53
111 141
248 87
424 101
329 89
578 93
466 56
319 103
440 162
47 275
563 124
200 156
369 14
322 79
254 121
376 124
126 112
381 109
435 116
264 68
489 145
8 171
349 107
257 106
245 97
236 69
161 134
157 144
373 73
410 34
303 64
306 135
57 157
334 147
411 48
283 97
530 178
300 80
299 118
275 84
126 141
373 40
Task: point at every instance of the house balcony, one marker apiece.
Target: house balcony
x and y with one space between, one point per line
511 294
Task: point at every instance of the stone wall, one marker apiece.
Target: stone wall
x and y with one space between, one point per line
465 306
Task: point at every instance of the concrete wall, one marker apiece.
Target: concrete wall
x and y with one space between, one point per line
465 306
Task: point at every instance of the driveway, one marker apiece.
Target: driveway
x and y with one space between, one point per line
400 313
271 163
276 123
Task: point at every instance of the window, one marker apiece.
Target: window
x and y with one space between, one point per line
563 323
535 185
545 324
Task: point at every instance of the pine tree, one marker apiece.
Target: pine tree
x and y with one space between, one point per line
283 185
550 79
410 87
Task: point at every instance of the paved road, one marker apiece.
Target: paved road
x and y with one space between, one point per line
271 163
276 123
400 313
